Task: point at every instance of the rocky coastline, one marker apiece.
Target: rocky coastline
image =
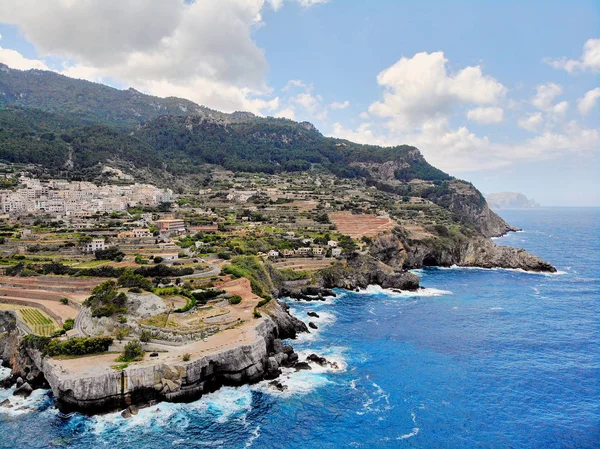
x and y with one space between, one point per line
386 264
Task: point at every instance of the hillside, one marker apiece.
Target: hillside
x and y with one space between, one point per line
70 128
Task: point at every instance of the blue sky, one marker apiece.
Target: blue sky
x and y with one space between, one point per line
503 94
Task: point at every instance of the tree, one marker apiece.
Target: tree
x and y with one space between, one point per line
132 351
145 336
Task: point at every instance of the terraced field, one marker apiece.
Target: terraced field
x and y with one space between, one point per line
37 321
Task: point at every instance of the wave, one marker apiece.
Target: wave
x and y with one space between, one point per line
4 372
377 290
221 406
38 400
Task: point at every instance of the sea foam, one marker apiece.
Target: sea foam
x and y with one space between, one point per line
377 290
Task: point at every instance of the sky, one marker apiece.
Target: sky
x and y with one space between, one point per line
504 94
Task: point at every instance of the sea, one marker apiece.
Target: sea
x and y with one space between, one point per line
477 359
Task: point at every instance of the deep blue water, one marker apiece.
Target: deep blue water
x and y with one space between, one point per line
482 359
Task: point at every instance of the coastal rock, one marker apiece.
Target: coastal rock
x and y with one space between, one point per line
141 384
317 359
313 314
302 366
399 250
312 325
24 390
6 404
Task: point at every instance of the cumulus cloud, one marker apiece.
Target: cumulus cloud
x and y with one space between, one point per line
588 101
532 122
301 103
545 95
203 49
339 105
485 115
420 88
589 60
16 60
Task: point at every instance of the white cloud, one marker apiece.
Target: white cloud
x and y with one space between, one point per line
203 49
339 105
287 113
588 101
485 115
589 61
309 3
16 60
419 89
532 123
545 95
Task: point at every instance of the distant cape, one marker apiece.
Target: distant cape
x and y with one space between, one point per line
510 200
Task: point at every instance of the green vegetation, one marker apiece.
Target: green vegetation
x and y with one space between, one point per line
69 324
254 270
132 352
106 300
235 299
38 322
132 280
72 347
111 253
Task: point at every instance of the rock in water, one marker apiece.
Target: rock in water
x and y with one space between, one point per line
302 365
313 314
317 359
126 413
24 390
312 325
6 403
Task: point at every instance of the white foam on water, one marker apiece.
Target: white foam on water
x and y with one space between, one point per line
415 431
377 290
377 401
253 437
20 404
4 372
220 406
296 383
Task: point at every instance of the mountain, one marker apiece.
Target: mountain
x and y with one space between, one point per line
71 128
510 200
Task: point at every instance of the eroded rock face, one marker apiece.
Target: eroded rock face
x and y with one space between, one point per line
397 250
364 270
177 382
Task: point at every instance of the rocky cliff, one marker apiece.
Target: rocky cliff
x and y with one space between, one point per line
398 250
110 389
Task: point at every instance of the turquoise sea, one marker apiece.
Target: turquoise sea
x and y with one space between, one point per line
479 359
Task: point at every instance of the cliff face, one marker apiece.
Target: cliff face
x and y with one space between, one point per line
110 389
364 270
396 249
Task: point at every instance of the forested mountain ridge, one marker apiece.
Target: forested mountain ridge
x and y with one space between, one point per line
72 128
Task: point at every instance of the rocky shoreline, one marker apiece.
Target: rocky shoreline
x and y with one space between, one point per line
386 264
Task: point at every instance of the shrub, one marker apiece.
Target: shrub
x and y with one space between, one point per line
158 259
131 279
120 334
72 346
145 336
131 352
69 324
106 300
111 253
186 357
64 300
235 299
256 314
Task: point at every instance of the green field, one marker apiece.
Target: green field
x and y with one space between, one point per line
37 321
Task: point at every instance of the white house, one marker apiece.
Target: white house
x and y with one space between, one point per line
93 246
332 243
